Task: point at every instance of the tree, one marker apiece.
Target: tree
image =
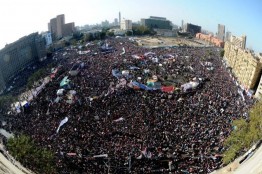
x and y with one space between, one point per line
222 52
245 134
129 33
102 35
110 33
25 151
89 37
35 77
77 35
6 100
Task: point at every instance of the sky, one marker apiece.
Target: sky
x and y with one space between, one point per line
22 17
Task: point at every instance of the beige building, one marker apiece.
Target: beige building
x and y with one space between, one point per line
126 24
245 65
239 41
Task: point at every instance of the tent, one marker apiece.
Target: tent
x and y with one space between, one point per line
137 85
60 92
149 54
154 84
116 73
75 69
133 68
65 82
189 85
25 104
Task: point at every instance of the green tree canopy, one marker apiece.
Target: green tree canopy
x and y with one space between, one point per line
24 150
246 134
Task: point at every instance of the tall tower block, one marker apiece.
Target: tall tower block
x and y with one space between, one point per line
119 16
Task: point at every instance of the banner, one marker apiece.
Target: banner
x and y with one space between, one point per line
167 88
62 123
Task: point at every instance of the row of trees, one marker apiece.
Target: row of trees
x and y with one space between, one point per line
5 102
245 134
23 149
39 74
101 35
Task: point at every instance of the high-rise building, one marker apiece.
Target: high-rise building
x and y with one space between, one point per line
126 25
228 36
68 29
119 18
60 22
221 32
115 22
105 23
182 25
154 22
58 28
53 27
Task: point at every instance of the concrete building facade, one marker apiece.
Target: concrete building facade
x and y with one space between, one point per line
166 33
59 29
245 65
239 41
156 23
193 29
126 24
60 22
68 29
228 36
17 55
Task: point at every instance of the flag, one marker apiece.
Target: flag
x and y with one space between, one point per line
146 153
71 154
100 156
62 123
119 119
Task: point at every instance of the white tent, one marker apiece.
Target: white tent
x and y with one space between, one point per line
60 91
189 85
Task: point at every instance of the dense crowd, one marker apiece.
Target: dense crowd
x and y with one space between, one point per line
119 128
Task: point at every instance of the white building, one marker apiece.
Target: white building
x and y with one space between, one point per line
258 93
48 38
126 24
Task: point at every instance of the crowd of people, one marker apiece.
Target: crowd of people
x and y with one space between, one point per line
106 124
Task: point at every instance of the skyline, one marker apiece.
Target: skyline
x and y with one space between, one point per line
239 17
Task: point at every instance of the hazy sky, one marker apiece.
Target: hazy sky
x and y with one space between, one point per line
22 17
